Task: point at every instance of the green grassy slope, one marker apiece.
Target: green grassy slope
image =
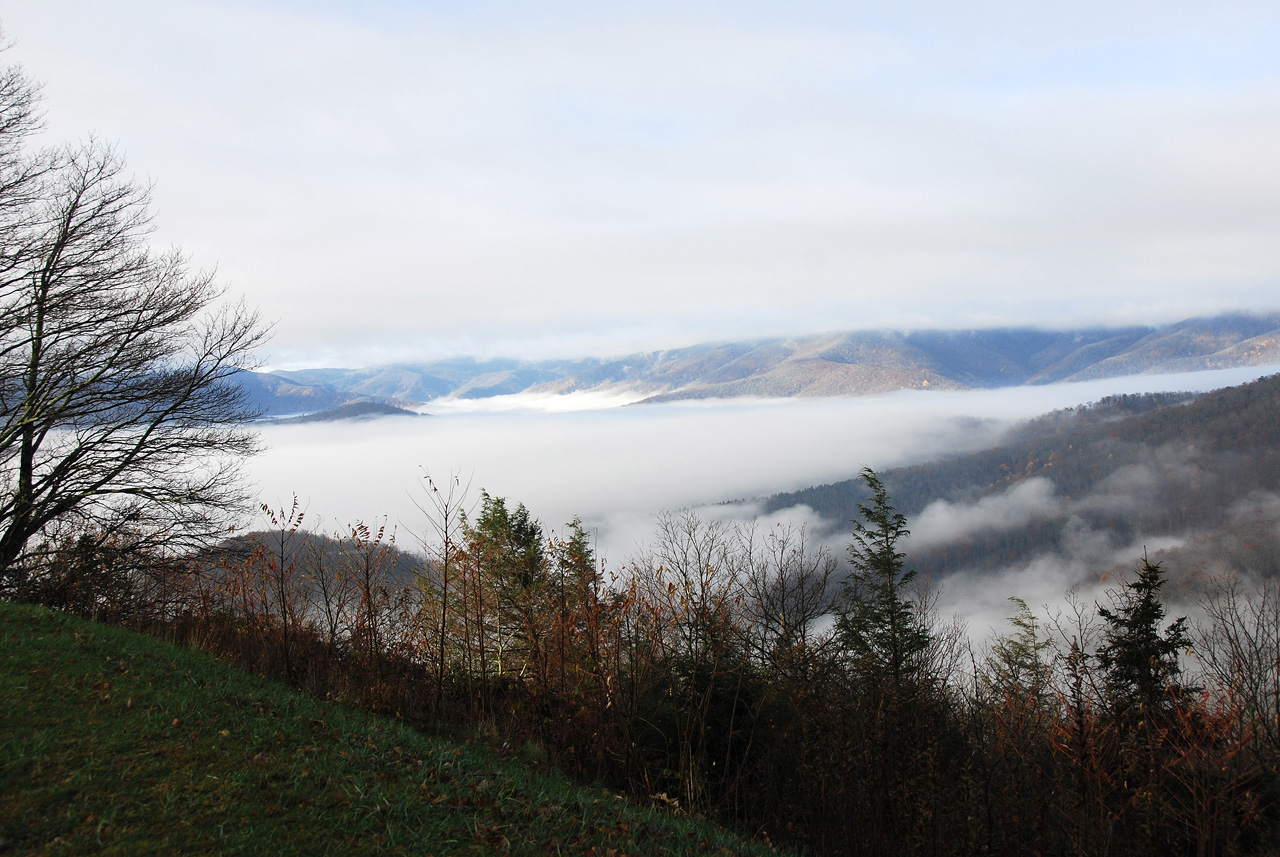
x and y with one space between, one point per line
116 743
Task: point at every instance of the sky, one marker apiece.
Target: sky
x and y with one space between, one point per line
399 181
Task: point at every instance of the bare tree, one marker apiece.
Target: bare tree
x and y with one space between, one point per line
444 511
121 409
1239 650
791 591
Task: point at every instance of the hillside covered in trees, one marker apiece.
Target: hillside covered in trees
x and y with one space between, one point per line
753 677
750 677
1126 467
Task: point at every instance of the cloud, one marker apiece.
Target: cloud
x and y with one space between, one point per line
943 522
607 465
617 466
1258 506
1082 566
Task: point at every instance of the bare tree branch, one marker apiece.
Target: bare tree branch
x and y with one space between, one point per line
118 364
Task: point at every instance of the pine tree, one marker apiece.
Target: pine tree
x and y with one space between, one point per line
1141 663
507 552
880 628
1021 662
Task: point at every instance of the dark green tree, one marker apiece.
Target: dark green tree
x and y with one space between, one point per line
574 586
506 546
879 626
898 740
512 541
572 571
1140 661
1021 662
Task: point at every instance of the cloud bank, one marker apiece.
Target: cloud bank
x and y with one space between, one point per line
615 467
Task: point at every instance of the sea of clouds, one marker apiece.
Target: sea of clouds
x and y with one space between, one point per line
617 465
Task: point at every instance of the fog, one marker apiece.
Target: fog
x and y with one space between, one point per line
1091 560
616 466
943 522
1090 564
1084 561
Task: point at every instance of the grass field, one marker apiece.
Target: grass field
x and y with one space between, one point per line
116 743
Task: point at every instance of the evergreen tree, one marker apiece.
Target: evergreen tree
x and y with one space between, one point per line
511 540
1140 662
1021 662
572 569
506 549
880 627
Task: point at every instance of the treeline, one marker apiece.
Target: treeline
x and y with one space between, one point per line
1196 456
751 677
1106 410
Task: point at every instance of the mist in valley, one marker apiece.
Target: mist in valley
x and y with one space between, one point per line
617 466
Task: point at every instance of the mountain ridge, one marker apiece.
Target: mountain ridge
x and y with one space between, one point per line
851 363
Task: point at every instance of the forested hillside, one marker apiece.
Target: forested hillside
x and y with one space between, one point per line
743 676
1127 466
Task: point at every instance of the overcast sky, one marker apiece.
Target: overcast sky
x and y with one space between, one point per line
398 180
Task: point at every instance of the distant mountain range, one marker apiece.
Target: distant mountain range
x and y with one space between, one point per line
837 364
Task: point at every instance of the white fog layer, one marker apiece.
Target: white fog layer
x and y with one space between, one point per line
617 466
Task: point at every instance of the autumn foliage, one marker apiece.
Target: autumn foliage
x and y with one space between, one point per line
749 676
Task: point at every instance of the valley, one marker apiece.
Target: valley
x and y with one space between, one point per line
750 460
